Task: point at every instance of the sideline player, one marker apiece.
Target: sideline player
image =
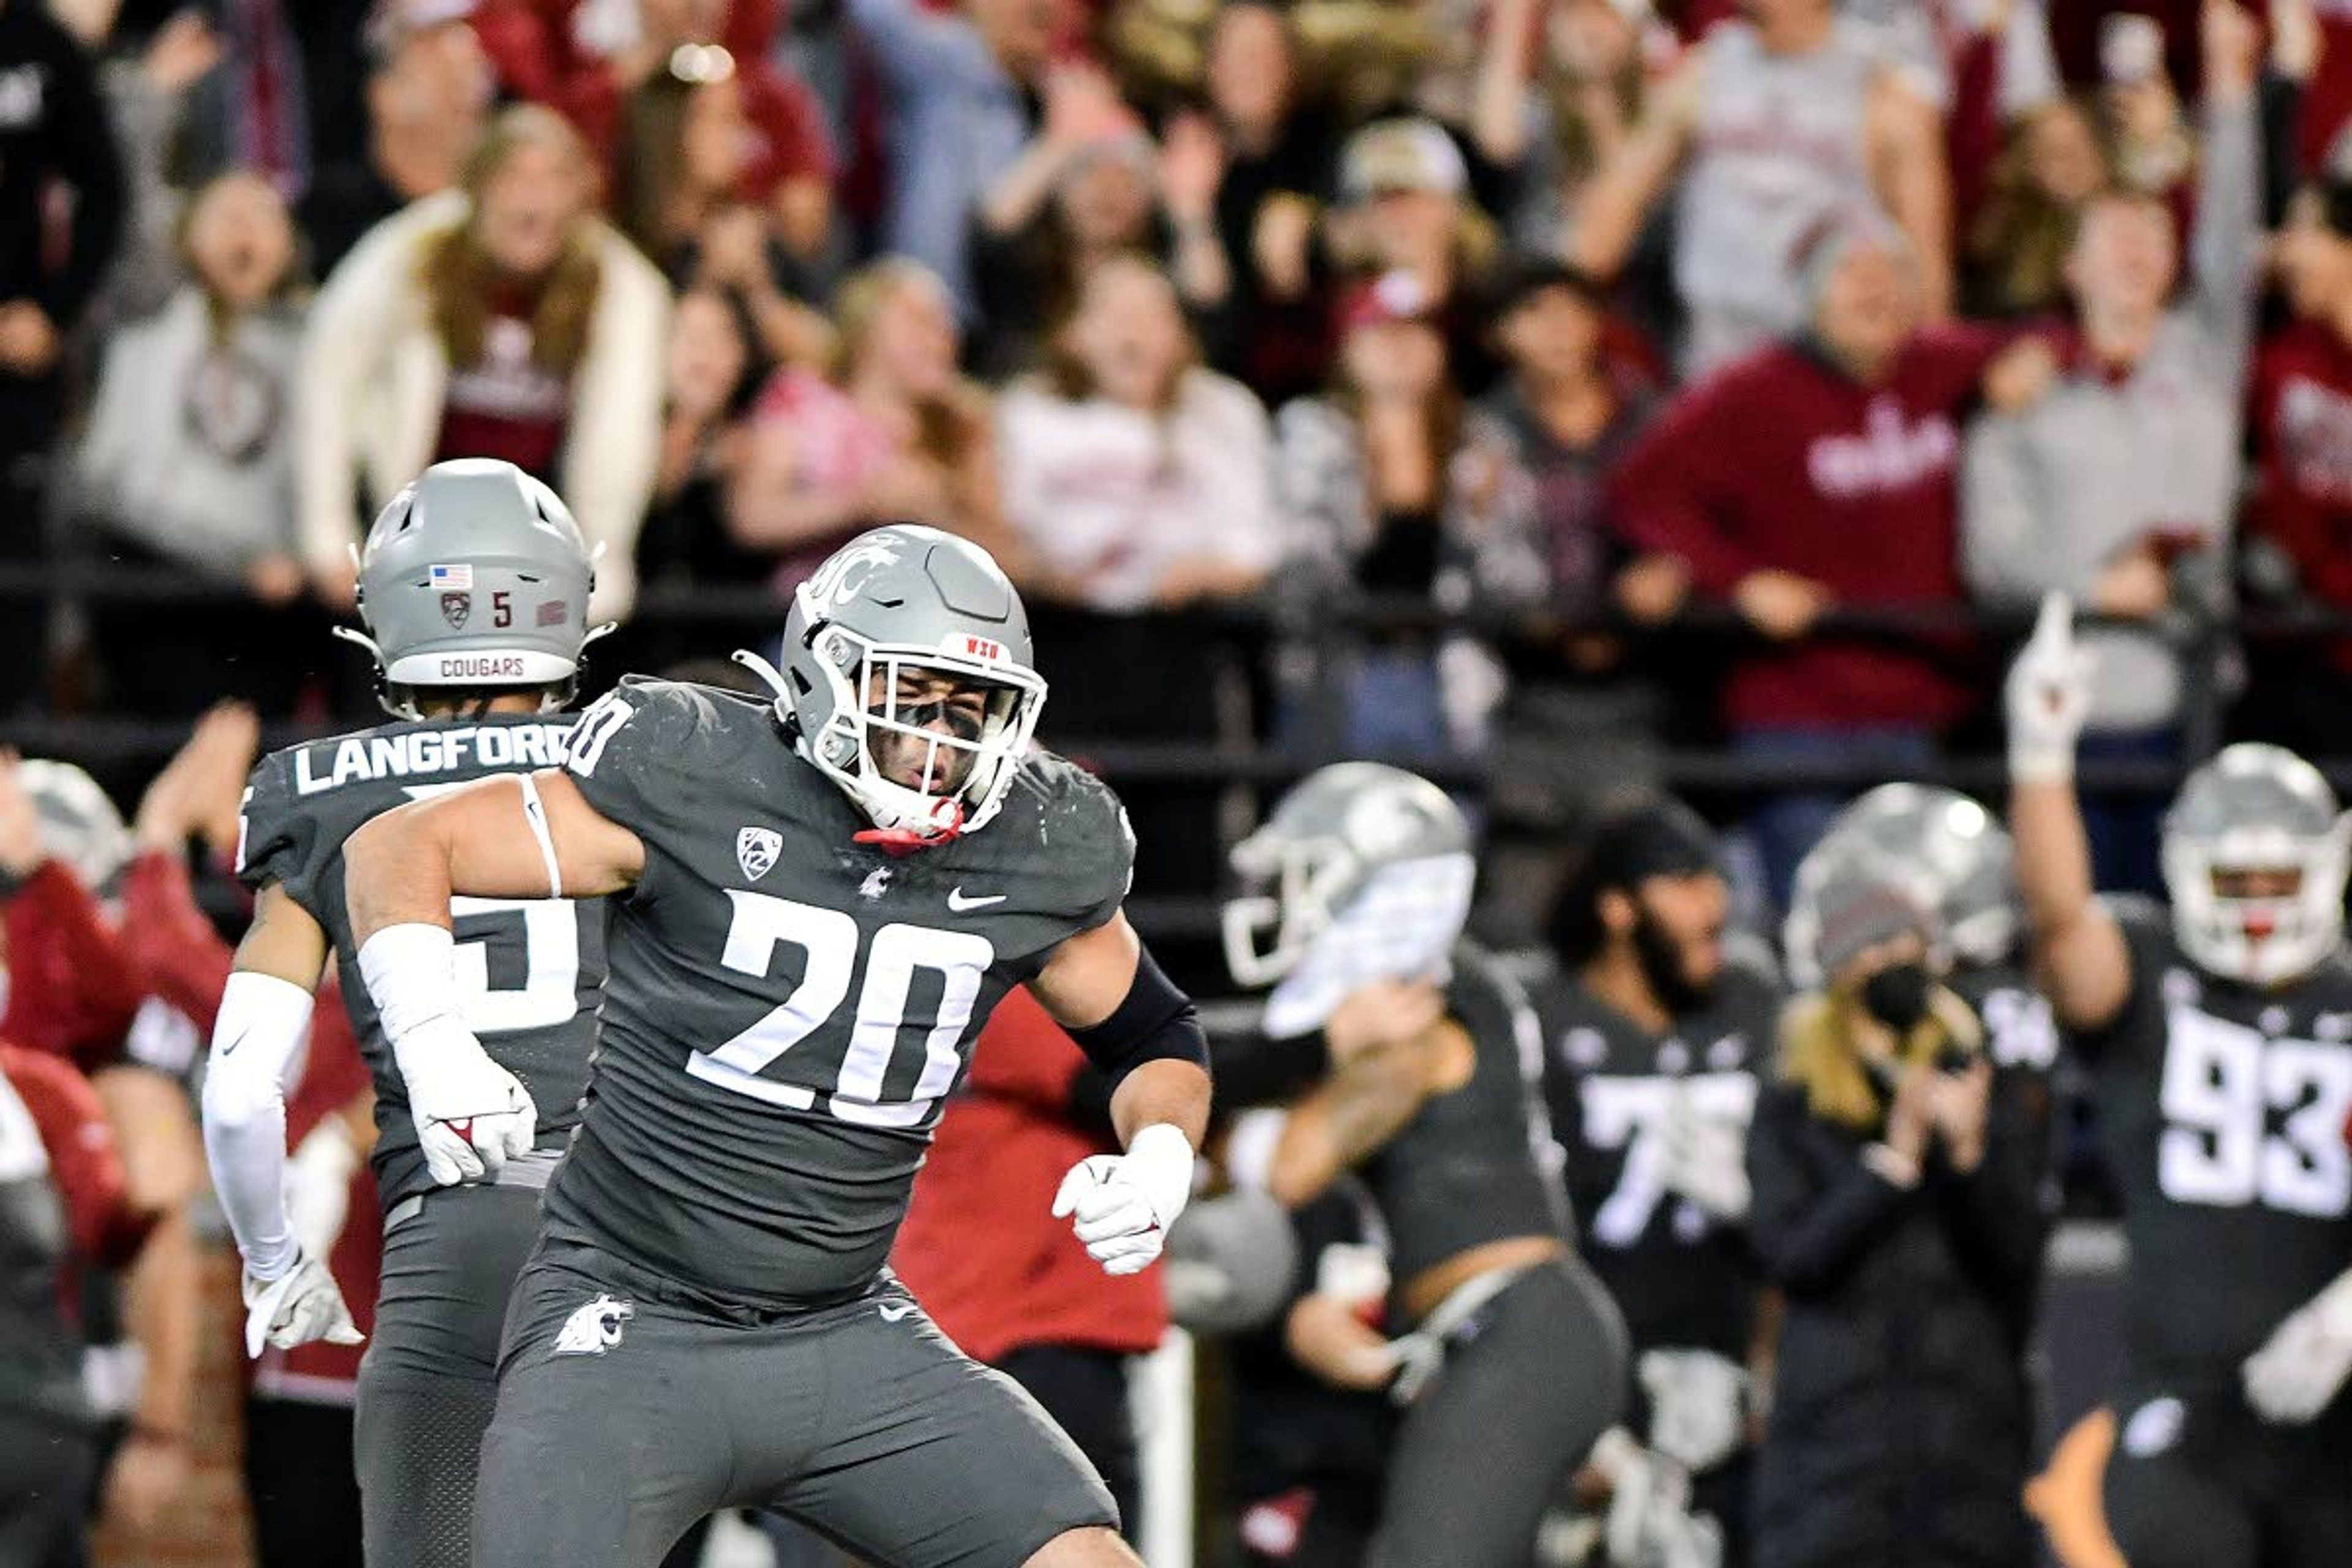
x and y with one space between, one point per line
2219 1046
1655 1040
1436 1098
817 903
474 586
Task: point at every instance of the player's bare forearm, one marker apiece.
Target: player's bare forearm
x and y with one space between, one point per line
283 941
1350 1116
402 866
1171 1091
2078 950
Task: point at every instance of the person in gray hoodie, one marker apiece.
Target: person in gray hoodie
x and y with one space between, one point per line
2119 485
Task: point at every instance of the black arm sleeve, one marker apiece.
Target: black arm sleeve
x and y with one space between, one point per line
1156 1023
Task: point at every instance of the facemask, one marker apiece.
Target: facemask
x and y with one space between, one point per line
1897 995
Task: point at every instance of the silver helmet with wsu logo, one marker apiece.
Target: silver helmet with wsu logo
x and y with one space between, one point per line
903 599
474 576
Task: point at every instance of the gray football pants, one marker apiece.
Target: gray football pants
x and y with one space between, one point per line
629 1407
428 1383
1537 1378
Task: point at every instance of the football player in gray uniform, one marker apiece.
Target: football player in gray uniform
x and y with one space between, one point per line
817 901
1435 1098
474 587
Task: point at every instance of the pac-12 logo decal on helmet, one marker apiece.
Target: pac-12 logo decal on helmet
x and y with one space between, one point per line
842 576
756 849
593 1329
457 609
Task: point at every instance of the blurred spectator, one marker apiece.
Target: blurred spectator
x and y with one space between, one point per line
894 433
1654 1124
1895 1175
1133 477
501 321
1091 187
1280 152
1561 89
1788 118
2302 512
1531 516
959 91
983 1253
1406 206
53 133
64 1202
1361 476
2052 165
146 99
429 96
187 463
2130 462
715 371
698 126
1818 471
1135 481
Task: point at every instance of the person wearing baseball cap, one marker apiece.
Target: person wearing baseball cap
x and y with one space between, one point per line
1407 205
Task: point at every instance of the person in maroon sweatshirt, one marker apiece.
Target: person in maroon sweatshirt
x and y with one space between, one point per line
1815 472
2301 422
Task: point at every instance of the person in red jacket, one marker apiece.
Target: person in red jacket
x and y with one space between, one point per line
998 1273
64 1200
1815 472
2302 420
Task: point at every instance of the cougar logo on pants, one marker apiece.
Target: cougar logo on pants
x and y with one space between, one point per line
594 1328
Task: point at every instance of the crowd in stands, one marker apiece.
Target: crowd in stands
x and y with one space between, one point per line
1554 385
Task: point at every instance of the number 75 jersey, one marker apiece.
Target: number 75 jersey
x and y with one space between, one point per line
2222 1110
528 971
788 1008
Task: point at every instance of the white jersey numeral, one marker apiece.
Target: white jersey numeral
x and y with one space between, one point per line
1638 1115
828 941
2222 1083
547 932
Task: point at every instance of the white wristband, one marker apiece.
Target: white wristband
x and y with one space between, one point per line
2040 763
408 969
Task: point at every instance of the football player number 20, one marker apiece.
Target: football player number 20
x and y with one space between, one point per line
829 941
2225 1085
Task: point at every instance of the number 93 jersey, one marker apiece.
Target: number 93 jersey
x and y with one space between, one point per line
2222 1110
528 971
788 1008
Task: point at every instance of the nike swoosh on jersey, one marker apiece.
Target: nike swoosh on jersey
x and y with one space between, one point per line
892 1311
959 901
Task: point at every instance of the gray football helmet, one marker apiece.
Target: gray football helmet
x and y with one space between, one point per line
475 576
1317 851
906 597
79 824
1957 851
2256 808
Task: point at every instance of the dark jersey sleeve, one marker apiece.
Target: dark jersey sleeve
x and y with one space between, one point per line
1085 831
639 755
277 841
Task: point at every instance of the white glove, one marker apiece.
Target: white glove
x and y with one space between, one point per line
319 1186
299 1306
472 1115
1706 1160
1697 1406
1122 1205
2048 698
1418 1359
2300 1368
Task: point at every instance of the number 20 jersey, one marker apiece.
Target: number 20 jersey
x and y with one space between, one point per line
788 1008
528 971
2222 1110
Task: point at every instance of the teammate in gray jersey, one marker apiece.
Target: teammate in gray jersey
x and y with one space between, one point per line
817 903
1435 1096
474 586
